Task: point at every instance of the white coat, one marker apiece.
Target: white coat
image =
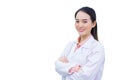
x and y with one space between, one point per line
90 56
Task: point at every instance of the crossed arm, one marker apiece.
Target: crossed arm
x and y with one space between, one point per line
95 62
73 69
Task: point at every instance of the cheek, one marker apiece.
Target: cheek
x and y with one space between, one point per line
89 26
89 29
76 26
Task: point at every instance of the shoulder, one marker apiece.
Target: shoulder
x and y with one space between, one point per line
93 43
71 43
98 46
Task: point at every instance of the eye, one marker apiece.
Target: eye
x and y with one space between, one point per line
77 21
84 21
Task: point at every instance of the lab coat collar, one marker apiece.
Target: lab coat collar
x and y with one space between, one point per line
89 42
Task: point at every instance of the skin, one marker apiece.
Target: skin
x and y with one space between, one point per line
83 25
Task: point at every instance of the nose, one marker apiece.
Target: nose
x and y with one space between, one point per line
79 24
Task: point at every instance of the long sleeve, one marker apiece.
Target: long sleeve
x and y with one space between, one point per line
63 68
94 65
60 67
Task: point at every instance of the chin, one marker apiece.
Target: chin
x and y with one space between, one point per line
81 33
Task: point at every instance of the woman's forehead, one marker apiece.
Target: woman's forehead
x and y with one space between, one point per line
82 15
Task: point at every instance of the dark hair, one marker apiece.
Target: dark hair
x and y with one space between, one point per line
92 14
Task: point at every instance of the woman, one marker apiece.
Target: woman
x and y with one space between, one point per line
83 59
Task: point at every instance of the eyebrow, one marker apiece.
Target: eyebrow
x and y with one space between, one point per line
82 19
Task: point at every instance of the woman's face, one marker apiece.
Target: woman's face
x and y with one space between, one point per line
83 23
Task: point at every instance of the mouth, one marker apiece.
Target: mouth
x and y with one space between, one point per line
81 30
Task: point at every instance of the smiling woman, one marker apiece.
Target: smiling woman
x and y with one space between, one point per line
83 59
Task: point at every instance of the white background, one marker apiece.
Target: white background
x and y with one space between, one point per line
33 34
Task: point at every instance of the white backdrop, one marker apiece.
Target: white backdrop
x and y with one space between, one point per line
33 34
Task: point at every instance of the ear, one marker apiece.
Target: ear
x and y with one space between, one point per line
94 24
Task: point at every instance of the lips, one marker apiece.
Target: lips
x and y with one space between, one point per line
81 30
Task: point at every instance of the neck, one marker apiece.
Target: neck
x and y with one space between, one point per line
82 39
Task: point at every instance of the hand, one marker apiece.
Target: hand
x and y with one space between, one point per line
63 59
74 69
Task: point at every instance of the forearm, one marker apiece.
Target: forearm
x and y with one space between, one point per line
63 68
74 69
